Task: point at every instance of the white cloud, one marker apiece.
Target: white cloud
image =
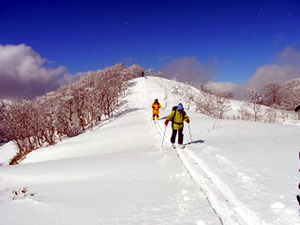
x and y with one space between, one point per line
187 69
288 56
273 73
285 67
23 74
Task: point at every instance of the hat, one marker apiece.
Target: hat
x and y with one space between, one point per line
180 106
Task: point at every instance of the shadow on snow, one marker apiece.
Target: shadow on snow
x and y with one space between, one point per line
195 142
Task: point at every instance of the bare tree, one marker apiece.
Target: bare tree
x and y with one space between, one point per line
189 95
67 111
222 106
3 137
271 93
245 114
254 102
284 115
205 104
290 94
270 115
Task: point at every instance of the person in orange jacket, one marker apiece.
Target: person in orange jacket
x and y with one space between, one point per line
155 109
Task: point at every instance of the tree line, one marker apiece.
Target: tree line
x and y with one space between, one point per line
277 95
285 98
66 112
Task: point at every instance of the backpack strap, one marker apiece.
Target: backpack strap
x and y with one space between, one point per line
174 115
175 110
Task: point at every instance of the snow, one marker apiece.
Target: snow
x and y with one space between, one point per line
125 171
7 152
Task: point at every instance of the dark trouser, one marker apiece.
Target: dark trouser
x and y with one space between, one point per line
155 115
180 136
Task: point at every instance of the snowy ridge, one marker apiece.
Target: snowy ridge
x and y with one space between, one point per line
125 171
227 207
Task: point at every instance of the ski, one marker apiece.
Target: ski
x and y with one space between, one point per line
180 146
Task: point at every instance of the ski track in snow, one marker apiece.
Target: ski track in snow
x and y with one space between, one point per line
230 209
227 207
210 191
143 101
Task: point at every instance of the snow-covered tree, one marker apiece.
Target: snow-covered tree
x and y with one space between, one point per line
271 93
254 99
67 111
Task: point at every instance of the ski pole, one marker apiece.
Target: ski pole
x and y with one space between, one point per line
163 137
190 132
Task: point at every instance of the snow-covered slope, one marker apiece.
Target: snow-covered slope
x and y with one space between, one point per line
125 172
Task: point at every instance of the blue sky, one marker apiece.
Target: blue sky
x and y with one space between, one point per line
235 37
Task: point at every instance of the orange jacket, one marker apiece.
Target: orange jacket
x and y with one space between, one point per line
155 108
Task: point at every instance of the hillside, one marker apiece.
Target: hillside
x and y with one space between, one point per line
125 171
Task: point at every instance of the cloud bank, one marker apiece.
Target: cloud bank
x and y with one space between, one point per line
188 69
285 67
23 73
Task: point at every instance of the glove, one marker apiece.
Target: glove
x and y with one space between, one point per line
188 121
166 122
